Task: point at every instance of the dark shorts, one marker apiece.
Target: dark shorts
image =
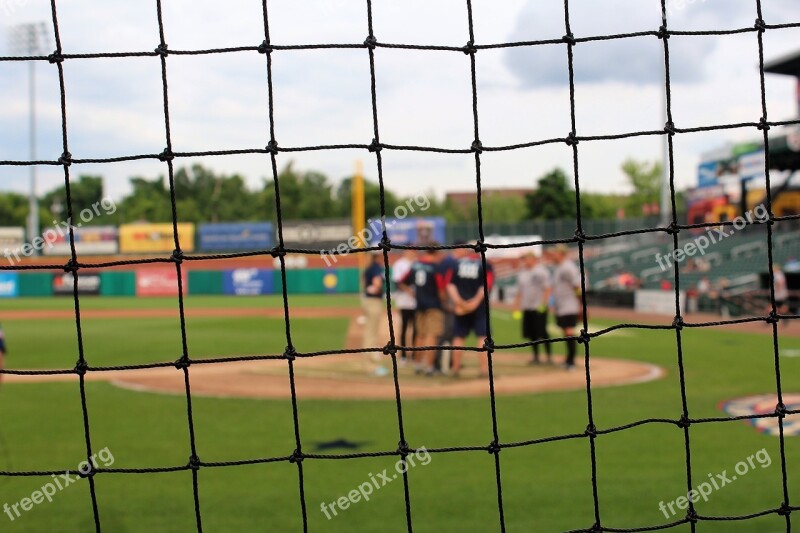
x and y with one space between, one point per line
534 325
474 321
567 321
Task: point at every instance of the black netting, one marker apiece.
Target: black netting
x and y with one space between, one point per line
375 146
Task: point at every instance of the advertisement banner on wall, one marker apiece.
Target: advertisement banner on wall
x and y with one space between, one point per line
9 284
247 281
233 237
316 234
148 238
159 282
330 280
63 284
98 240
11 238
658 302
412 230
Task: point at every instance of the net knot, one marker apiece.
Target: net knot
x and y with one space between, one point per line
162 50
760 25
477 146
488 344
673 228
296 457
65 159
569 39
691 515
580 236
669 128
385 244
784 509
264 48
772 318
375 146
596 528
780 410
584 337
194 462
403 449
166 155
763 125
572 139
480 247
678 323
591 431
494 447
290 353
684 422
88 471
177 256
182 363
277 252
390 349
81 367
272 147
71 266
469 49
663 33
55 57
371 42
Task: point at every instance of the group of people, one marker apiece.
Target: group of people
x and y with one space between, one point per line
442 298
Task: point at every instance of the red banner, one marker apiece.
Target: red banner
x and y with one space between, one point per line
158 282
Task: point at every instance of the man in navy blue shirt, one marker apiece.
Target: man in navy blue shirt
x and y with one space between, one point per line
372 299
465 286
428 282
448 264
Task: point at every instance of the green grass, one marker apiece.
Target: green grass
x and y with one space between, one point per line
546 487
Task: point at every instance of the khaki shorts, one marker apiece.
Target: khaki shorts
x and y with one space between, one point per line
429 323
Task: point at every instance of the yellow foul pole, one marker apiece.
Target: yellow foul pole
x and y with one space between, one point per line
359 222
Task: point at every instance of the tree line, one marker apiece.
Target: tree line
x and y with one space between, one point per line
205 196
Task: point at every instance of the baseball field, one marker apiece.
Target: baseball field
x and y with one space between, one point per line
142 423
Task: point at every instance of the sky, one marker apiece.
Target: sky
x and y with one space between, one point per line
424 98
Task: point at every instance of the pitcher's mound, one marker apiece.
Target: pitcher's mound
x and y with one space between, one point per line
354 377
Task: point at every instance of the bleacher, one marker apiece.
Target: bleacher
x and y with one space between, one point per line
736 260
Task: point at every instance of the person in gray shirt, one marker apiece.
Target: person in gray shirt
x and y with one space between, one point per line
533 292
566 298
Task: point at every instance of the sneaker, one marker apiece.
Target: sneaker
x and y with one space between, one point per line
534 362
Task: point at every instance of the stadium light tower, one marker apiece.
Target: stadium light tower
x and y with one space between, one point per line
30 40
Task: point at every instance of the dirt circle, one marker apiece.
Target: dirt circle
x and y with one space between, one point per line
350 377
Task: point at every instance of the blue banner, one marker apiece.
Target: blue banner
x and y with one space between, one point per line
247 281
412 230
707 174
9 284
232 237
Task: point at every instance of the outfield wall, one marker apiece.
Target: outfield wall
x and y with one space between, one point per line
161 280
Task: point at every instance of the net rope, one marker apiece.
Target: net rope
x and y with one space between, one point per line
385 246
